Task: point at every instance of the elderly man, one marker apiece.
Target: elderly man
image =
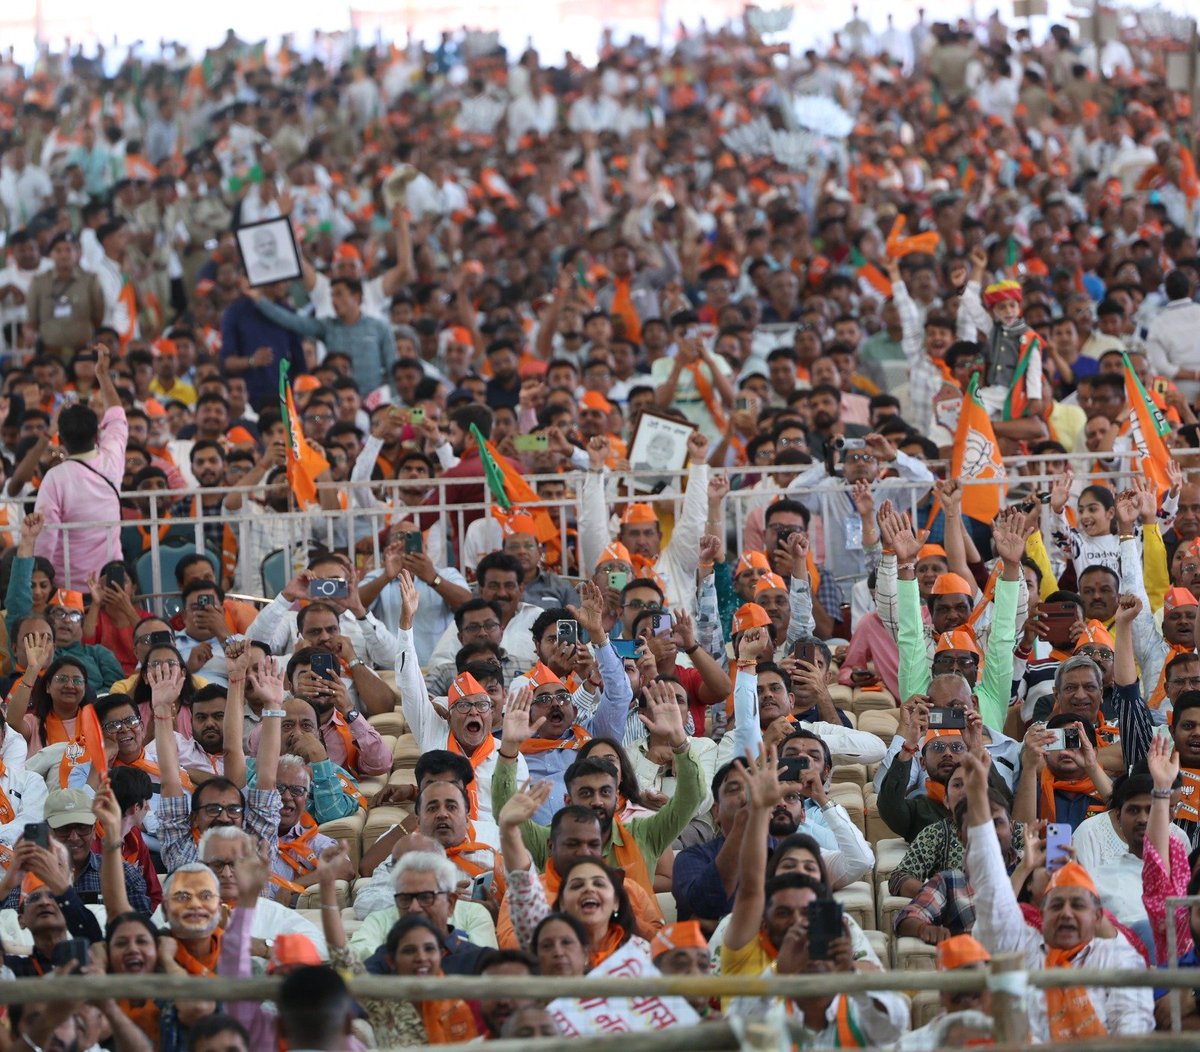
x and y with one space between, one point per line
425 882
1074 934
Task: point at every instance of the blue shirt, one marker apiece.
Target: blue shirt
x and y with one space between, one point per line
1188 960
243 331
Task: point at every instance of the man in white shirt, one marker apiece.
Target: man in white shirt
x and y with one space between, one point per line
594 112
24 188
1171 339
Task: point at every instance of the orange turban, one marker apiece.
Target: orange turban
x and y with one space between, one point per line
615 552
1095 634
68 599
959 639
1177 597
1073 875
542 676
770 582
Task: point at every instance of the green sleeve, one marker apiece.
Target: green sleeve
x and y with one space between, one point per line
655 833
995 687
536 837
914 671
727 600
109 666
18 601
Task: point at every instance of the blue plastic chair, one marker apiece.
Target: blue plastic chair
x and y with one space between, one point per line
276 572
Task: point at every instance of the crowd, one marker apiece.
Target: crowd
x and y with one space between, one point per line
838 692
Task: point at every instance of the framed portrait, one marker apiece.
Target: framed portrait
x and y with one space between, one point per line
269 252
659 442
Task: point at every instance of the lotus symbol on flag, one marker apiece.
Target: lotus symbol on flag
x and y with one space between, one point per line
979 458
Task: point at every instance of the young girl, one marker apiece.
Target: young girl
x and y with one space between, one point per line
1094 541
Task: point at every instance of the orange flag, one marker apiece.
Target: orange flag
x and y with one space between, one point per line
304 463
977 456
1147 428
511 490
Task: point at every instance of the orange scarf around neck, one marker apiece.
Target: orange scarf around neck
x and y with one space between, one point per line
470 846
935 791
1071 1012
7 814
628 856
1048 808
1189 803
448 1022
477 758
579 737
194 966
613 940
339 724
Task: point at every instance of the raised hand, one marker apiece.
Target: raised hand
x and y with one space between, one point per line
712 549
662 716
864 502
166 683
1060 491
252 871
761 776
599 449
755 644
331 864
1163 762
31 528
39 651
524 804
897 534
1008 536
718 487
409 599
949 494
590 611
884 451
1128 510
518 727
1128 607
697 447
683 629
914 719
107 812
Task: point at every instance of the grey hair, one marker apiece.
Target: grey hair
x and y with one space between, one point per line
215 833
292 760
187 867
445 872
1071 664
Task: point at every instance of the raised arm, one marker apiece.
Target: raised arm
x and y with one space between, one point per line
108 391
268 683
517 810
112 864
330 866
238 653
763 792
165 687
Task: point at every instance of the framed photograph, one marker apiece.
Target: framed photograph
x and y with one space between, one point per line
659 442
269 252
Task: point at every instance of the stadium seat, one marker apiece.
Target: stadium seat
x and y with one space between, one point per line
170 556
850 773
842 696
380 820
858 901
869 700
881 943
888 855
925 1005
876 828
879 722
913 955
392 723
849 795
666 903
405 752
888 905
349 831
311 899
276 572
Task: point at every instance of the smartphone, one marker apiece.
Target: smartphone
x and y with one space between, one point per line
1160 386
791 766
481 885
824 926
567 632
948 719
205 600
414 543
1060 740
661 623
116 576
160 639
805 652
1058 838
324 665
625 648
71 950
531 443
38 833
416 416
618 579
329 588
1060 618
742 405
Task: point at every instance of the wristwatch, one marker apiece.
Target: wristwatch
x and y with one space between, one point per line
437 580
354 664
352 715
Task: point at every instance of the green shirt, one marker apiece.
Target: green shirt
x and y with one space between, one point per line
652 834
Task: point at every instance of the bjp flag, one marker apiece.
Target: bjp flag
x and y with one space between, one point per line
510 490
1147 427
977 457
304 463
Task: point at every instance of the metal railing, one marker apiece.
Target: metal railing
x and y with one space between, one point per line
372 505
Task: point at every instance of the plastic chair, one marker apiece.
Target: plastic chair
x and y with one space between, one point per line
275 572
170 556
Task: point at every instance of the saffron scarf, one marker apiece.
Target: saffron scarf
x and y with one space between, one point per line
194 966
477 759
629 858
1069 1009
535 746
7 814
448 1022
470 846
613 940
1189 805
1048 808
339 724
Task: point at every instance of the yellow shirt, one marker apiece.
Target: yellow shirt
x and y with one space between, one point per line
177 392
126 685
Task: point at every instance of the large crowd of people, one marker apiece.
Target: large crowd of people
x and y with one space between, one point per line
535 519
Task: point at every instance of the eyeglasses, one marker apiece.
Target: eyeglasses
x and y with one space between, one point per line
860 458
937 748
465 705
216 810
793 798
219 864
75 831
1099 654
642 604
318 418
481 626
955 661
561 699
764 456
58 614
182 898
129 722
69 681
423 898
292 790
163 663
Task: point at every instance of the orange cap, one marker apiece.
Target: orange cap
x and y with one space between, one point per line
1177 597
1090 109
750 615
959 639
460 335
29 885
346 251
518 522
1073 875
960 951
936 733
464 686
931 551
68 599
770 582
595 400
615 552
1095 633
292 950
541 675
951 584
638 513
164 348
154 407
239 436
751 561
305 383
682 935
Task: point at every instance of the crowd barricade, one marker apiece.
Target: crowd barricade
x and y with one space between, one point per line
373 505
